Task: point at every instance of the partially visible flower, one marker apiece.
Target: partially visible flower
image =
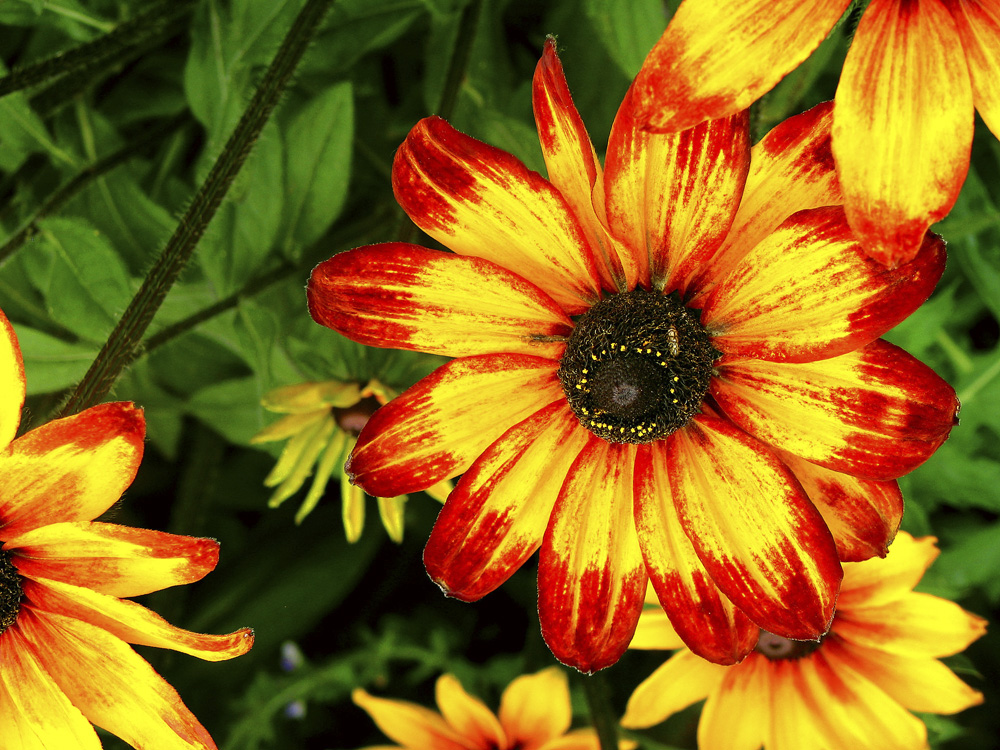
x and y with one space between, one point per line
64 630
851 690
322 426
903 122
535 714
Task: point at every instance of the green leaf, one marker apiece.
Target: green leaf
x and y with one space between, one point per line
628 29
51 364
22 132
231 408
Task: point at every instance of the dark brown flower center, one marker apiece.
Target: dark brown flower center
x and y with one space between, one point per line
10 591
776 647
637 367
352 419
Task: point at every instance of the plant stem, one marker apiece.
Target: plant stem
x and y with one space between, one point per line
602 715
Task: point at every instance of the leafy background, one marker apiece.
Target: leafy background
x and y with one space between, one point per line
98 164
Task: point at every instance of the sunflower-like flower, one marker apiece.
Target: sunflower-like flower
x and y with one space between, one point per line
535 714
852 689
903 124
64 632
667 367
322 425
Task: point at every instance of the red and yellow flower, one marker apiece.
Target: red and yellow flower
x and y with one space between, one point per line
535 714
64 630
668 367
902 127
853 689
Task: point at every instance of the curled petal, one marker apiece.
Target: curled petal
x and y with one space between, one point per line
478 200
437 428
468 715
684 679
402 296
409 724
978 23
876 413
12 383
536 708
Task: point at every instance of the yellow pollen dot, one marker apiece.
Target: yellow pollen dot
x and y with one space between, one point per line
585 369
675 400
649 351
658 354
676 378
623 347
579 386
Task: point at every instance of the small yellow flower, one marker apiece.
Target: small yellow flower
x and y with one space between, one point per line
321 425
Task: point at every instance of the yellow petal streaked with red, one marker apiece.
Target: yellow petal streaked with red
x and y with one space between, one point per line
467 714
671 198
702 616
902 133
682 680
570 159
496 516
876 582
437 428
734 716
90 665
12 383
408 297
591 577
791 169
978 23
480 201
112 559
876 413
536 708
70 469
764 544
410 725
863 515
716 59
809 291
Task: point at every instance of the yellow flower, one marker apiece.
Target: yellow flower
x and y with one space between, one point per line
850 690
535 714
322 425
64 630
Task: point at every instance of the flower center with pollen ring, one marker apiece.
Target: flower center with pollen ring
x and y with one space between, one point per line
637 367
10 591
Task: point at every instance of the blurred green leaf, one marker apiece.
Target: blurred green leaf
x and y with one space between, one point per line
628 29
51 364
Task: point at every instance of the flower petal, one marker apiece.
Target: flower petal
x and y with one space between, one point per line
409 724
34 713
863 515
111 684
132 622
12 382
671 198
70 469
654 630
702 616
495 518
478 200
438 427
809 291
978 23
737 714
469 716
791 169
716 59
310 397
876 413
535 708
902 132
402 296
591 577
112 559
876 582
681 681
754 529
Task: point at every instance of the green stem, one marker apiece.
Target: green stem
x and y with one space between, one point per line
126 337
602 715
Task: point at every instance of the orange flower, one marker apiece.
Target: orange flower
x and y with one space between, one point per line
851 690
902 129
668 366
64 658
535 714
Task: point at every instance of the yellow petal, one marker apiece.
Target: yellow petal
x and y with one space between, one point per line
333 455
978 23
469 716
737 714
684 679
875 582
289 426
390 510
352 510
536 708
307 397
12 383
412 726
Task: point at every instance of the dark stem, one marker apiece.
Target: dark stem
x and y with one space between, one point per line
602 715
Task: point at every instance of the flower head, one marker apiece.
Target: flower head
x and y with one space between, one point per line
853 689
64 632
903 124
668 367
322 425
535 714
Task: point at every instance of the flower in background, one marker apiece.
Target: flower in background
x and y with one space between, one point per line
535 714
851 690
64 630
322 425
668 366
902 127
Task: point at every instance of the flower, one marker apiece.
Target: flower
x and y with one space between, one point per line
851 690
903 124
64 658
323 422
535 714
667 367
